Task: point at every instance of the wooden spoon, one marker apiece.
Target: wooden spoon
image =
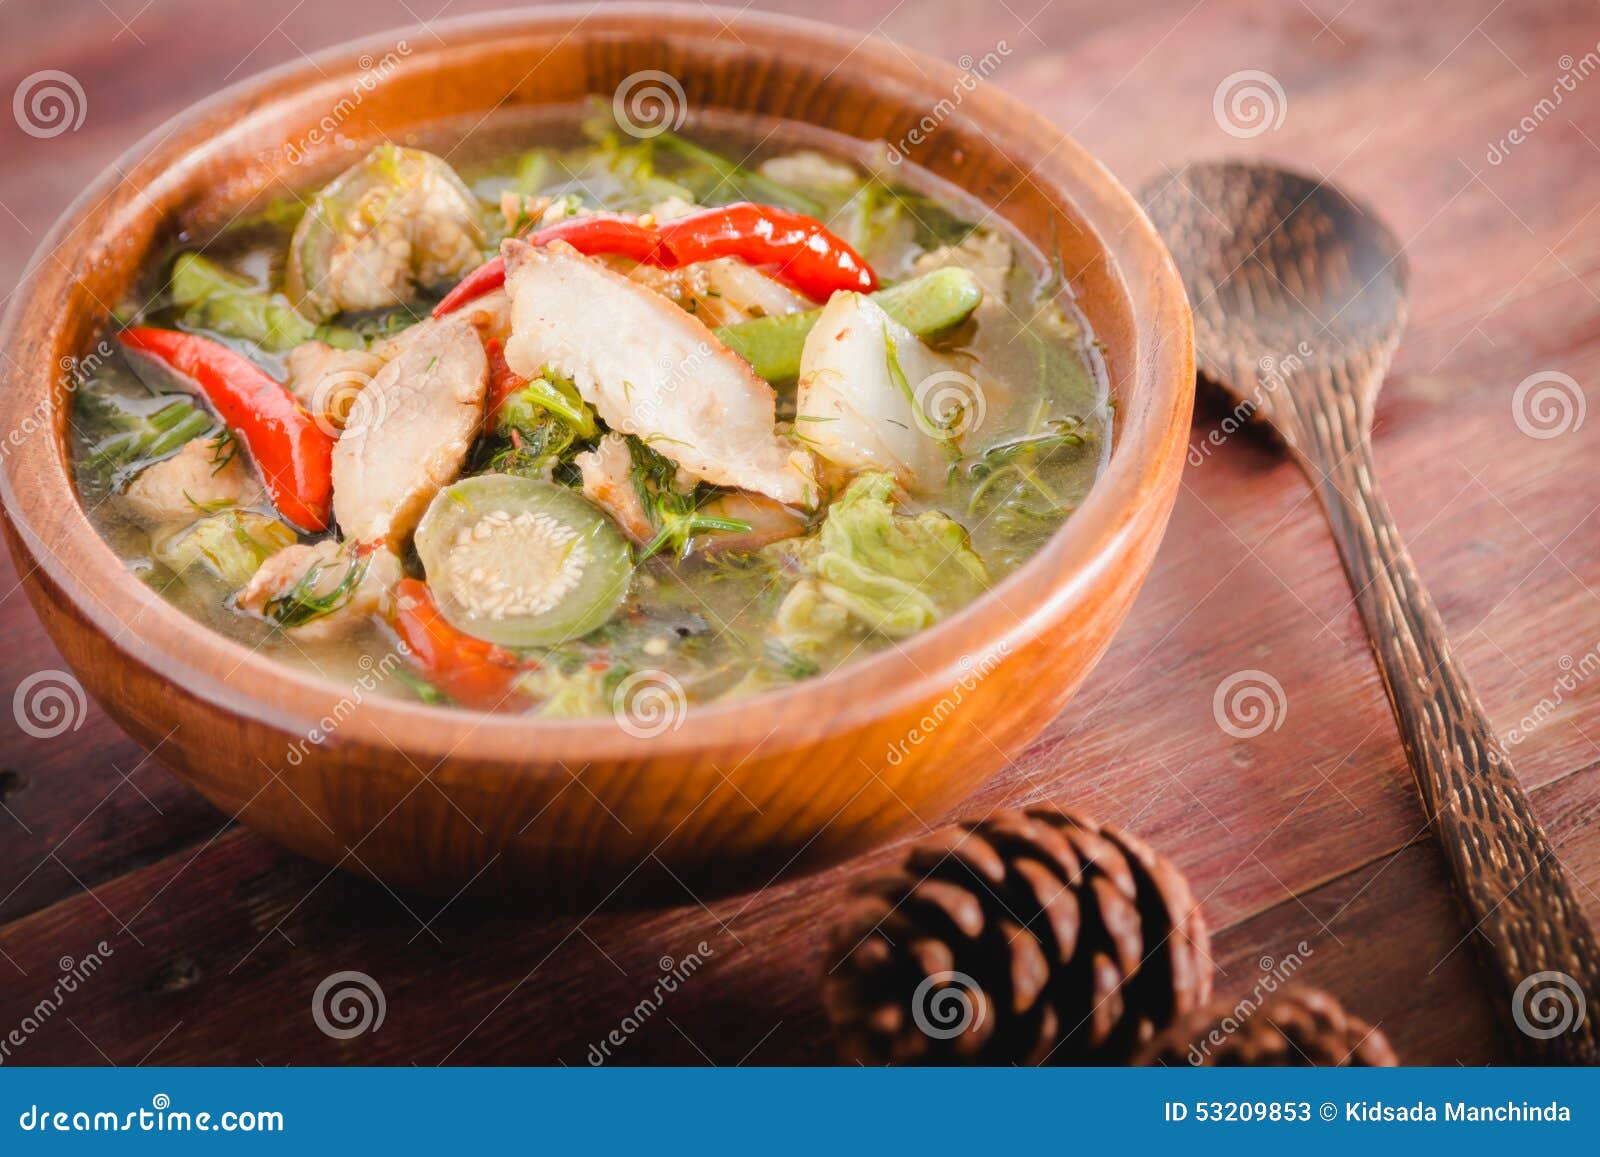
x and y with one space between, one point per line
1299 297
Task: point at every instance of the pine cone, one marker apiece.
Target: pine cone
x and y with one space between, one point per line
1296 1026
1028 937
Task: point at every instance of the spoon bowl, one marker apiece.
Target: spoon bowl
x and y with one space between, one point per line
1282 270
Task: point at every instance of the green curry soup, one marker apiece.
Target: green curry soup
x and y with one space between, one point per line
516 431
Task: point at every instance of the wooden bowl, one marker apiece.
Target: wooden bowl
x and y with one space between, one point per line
565 813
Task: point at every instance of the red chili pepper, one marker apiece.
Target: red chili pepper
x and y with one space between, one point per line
471 671
607 235
293 453
802 252
489 276
503 382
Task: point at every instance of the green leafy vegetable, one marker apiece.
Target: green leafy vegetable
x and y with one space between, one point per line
540 428
279 213
892 573
230 545
808 621
532 171
633 165
224 449
420 687
675 515
311 597
874 221
557 396
619 171
1011 484
572 691
212 298
935 225
125 434
715 180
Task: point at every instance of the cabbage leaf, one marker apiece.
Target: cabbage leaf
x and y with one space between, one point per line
876 569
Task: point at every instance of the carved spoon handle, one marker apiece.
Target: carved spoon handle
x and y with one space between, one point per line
1518 900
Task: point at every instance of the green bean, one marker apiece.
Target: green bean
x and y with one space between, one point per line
925 305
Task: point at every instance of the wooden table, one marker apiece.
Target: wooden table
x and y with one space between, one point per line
1306 839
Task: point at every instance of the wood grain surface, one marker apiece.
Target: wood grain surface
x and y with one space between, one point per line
1303 840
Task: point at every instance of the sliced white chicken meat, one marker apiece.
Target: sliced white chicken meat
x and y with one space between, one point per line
352 584
326 380
651 370
872 396
206 475
409 432
608 482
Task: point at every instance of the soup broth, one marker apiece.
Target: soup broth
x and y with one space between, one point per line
522 423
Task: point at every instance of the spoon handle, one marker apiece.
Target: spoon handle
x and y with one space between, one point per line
1517 897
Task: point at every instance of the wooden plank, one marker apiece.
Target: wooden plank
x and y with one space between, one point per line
236 941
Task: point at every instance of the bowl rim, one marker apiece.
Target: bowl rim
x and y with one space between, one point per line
1147 456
